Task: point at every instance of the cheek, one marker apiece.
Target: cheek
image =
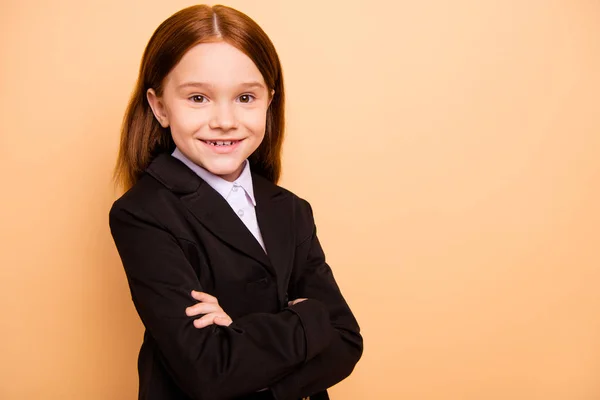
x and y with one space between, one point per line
256 121
186 120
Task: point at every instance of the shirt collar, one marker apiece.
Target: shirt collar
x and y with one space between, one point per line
222 186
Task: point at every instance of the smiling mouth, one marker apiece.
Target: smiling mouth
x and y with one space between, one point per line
221 143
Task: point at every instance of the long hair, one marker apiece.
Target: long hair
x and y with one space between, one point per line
143 138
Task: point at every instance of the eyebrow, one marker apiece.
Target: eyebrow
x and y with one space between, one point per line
253 84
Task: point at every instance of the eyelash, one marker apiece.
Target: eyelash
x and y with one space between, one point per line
192 98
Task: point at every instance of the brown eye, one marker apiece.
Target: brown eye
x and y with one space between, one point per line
198 98
246 98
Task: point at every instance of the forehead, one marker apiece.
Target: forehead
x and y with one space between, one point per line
217 63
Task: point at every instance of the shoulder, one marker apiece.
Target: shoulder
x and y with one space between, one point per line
160 186
298 206
302 217
265 188
143 200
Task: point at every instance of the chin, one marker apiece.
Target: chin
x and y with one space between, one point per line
225 170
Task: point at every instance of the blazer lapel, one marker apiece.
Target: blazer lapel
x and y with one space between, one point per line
274 215
208 206
213 211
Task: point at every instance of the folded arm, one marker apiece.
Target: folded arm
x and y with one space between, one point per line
214 362
312 278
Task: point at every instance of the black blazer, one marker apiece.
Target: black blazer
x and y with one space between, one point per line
176 234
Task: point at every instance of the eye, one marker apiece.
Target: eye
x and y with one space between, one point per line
246 98
198 98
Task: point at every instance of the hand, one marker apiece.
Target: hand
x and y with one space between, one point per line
291 303
209 306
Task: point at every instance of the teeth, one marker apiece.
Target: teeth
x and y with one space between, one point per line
221 143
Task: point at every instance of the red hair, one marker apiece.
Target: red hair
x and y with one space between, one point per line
143 138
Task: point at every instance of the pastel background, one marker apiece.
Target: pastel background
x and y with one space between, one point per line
450 150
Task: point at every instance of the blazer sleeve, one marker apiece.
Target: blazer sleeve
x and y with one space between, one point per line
312 278
214 362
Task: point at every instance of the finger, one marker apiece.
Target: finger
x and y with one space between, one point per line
205 321
223 320
218 318
202 308
291 303
205 297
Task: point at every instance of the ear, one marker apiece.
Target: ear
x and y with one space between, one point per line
158 108
271 98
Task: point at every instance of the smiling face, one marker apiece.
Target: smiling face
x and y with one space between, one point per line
215 101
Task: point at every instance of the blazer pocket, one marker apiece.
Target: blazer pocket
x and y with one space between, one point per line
262 283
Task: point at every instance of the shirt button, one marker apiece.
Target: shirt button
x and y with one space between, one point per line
240 213
235 188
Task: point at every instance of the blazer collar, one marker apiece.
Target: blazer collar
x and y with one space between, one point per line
273 213
180 179
174 175
216 182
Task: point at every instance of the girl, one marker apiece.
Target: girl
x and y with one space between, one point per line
224 266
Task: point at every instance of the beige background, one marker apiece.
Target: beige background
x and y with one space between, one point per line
449 148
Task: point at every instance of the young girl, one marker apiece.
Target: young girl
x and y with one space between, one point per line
224 266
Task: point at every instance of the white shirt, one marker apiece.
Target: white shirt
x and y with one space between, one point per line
239 193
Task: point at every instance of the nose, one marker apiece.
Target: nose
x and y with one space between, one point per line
223 117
